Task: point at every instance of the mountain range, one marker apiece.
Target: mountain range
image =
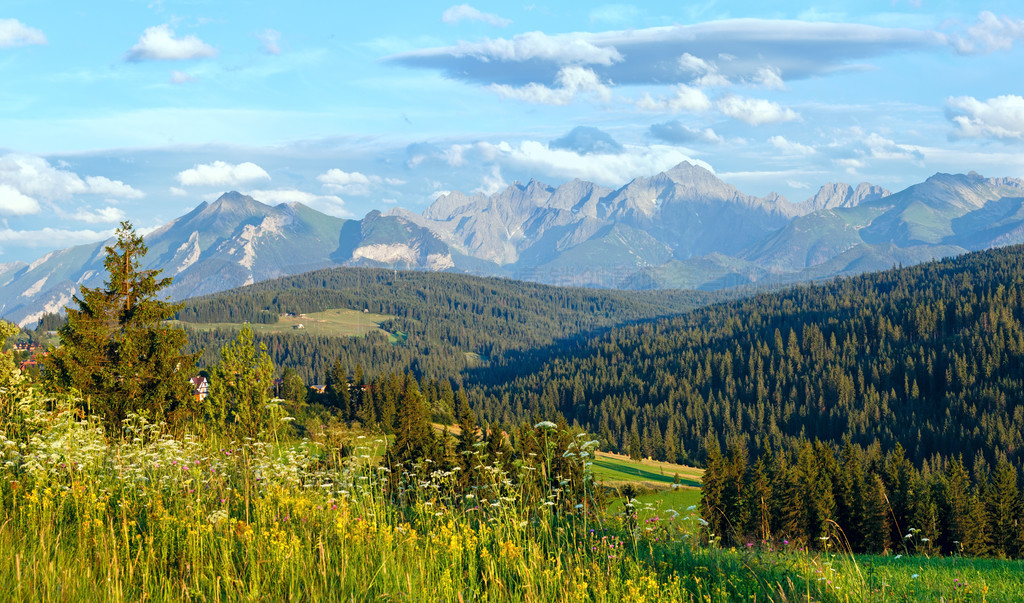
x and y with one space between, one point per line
682 228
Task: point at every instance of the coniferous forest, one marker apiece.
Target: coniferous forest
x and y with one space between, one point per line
891 400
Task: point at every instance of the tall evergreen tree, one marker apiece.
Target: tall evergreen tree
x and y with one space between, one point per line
115 349
240 384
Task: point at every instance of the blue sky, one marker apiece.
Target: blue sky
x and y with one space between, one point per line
141 110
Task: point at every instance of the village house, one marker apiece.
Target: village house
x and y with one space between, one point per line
200 388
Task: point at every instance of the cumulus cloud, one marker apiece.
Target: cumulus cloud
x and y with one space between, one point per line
678 133
769 77
14 202
16 33
737 50
789 147
351 183
104 215
686 99
159 44
271 41
755 111
704 73
1001 117
221 173
328 204
100 185
465 12
177 191
570 83
989 34
35 177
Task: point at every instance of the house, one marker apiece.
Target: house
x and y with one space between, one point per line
318 389
299 326
200 388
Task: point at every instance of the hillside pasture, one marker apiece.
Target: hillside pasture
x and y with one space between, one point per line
336 322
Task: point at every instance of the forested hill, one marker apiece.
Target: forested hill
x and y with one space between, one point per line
442 315
930 356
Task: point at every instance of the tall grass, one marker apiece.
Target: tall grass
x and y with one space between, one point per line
160 517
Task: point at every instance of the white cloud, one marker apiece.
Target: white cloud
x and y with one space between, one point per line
35 177
271 40
880 147
335 178
180 77
16 33
44 237
989 34
159 44
13 201
571 81
220 173
465 12
741 49
789 147
351 183
607 169
492 182
769 77
328 204
530 46
754 111
705 73
1001 117
852 165
104 215
178 192
686 98
99 185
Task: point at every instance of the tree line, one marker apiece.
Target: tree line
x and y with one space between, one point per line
861 499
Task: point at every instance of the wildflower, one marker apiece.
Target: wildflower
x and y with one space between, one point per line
544 425
915 576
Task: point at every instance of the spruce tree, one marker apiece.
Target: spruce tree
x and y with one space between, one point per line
115 349
239 385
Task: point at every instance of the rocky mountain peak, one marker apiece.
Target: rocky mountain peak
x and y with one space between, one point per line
840 194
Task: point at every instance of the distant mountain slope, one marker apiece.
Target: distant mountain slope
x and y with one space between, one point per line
442 316
930 356
235 240
680 228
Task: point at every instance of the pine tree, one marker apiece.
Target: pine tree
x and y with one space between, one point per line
412 425
292 387
1004 510
465 447
115 349
337 389
239 385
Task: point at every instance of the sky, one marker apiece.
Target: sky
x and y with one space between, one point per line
141 110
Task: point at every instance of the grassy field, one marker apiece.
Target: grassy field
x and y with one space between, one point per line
185 517
338 322
616 468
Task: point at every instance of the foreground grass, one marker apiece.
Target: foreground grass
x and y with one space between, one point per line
183 519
